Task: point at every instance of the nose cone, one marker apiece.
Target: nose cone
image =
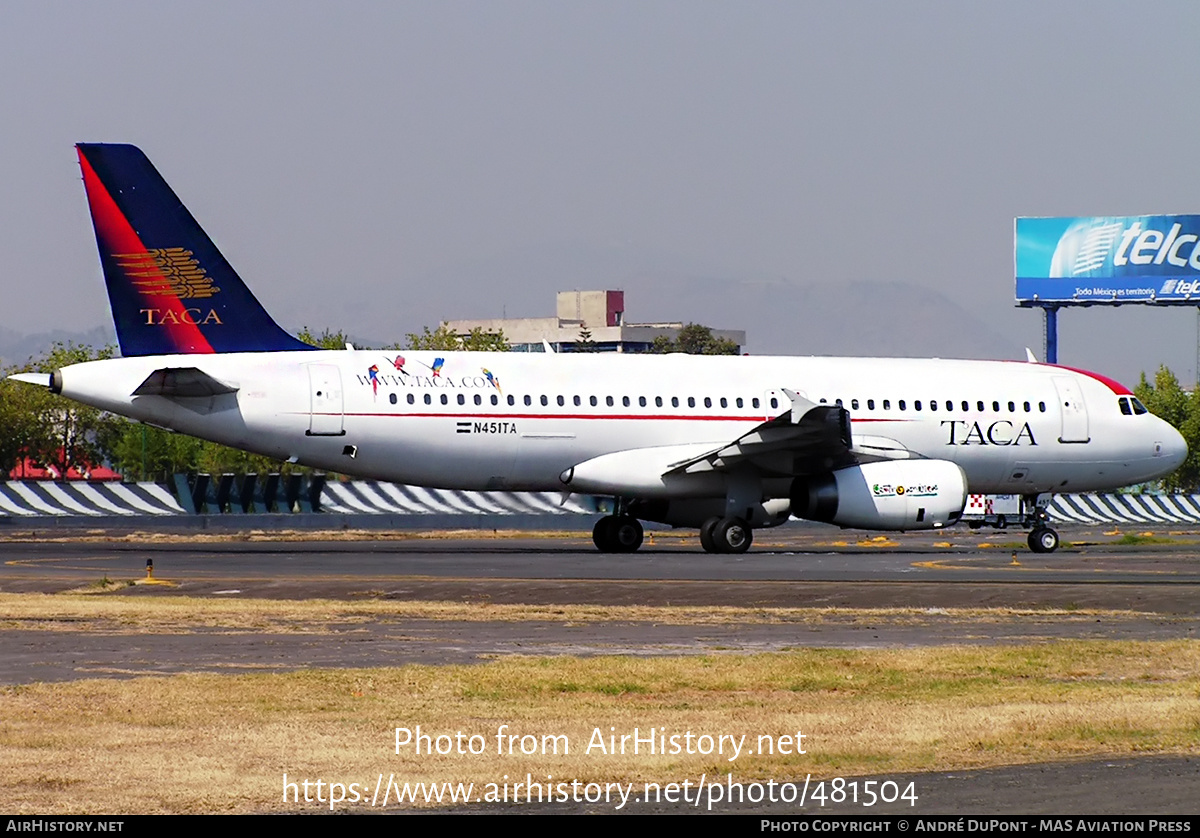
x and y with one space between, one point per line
1174 449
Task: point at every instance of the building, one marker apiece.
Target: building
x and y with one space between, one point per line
602 313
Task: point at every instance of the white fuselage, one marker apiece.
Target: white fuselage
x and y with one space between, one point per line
517 421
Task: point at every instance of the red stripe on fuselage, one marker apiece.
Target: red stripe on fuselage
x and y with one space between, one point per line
1116 386
115 235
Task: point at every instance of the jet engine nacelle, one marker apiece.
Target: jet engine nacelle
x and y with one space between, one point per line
890 495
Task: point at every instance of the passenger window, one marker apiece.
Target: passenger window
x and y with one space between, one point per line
996 407
511 401
1042 407
578 401
1026 407
528 401
691 401
392 398
410 398
674 401
428 399
478 399
854 404
932 404
901 404
739 402
887 404
774 403
658 401
979 406
608 400
724 402
561 401
545 401
754 403
495 400
641 401
917 404
445 399
1012 408
870 404
625 401
592 401
707 401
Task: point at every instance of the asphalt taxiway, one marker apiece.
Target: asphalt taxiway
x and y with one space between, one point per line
955 587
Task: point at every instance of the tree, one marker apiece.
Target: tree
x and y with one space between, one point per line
326 340
51 430
1166 399
585 342
442 339
694 339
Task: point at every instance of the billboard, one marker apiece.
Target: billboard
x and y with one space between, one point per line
1133 259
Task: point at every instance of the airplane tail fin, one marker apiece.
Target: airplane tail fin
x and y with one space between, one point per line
170 289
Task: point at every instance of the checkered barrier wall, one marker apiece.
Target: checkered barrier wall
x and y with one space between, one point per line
31 498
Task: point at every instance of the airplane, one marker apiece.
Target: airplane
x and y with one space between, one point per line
725 444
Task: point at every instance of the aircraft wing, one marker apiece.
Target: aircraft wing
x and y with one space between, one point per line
807 439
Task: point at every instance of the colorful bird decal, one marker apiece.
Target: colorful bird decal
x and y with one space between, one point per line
495 382
373 374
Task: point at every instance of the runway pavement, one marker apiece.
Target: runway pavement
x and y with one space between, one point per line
1096 588
1099 589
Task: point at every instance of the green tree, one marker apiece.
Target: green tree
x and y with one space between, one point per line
694 339
585 342
326 340
442 339
51 430
1166 399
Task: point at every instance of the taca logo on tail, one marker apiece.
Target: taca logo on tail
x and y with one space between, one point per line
170 289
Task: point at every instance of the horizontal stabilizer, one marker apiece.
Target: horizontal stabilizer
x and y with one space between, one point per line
42 379
181 383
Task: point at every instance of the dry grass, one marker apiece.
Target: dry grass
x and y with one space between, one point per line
96 609
206 743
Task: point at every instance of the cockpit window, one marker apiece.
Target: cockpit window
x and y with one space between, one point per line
1130 406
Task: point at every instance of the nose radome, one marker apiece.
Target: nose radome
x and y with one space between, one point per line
1174 448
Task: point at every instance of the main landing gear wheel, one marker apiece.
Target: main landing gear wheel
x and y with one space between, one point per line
617 534
1043 540
726 535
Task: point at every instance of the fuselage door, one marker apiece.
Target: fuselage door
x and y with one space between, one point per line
325 394
1073 410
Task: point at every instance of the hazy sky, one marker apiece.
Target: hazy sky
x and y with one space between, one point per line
377 166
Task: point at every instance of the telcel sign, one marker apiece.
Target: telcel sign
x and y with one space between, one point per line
1136 259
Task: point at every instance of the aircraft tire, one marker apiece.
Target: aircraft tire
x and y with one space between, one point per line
602 534
732 535
706 538
1043 540
626 534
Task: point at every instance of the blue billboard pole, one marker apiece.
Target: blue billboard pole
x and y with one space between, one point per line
1051 343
